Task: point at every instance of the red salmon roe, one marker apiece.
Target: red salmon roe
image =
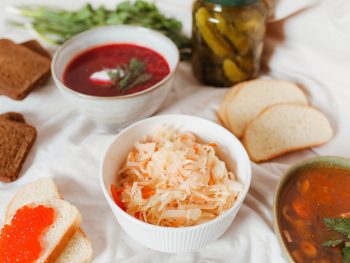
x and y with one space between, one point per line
20 240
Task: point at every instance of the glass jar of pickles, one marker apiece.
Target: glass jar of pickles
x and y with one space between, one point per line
227 40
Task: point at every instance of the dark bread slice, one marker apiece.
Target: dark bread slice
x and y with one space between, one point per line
13 116
35 46
16 139
21 69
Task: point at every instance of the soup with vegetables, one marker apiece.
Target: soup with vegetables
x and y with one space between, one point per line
314 216
114 70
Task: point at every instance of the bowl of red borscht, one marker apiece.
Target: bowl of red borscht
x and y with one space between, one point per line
116 75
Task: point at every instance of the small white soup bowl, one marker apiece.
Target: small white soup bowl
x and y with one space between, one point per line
171 239
117 111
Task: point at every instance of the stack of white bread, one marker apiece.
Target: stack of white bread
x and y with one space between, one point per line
64 241
272 117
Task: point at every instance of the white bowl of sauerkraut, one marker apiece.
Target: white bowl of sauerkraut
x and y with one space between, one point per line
175 182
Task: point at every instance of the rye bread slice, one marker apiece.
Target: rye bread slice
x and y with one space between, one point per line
35 46
16 139
21 70
13 116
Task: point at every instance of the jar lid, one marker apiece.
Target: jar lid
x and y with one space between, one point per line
232 2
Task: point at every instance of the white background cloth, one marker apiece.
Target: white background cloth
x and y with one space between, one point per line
310 47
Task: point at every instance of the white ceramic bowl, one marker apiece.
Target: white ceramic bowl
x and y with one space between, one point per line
170 239
117 111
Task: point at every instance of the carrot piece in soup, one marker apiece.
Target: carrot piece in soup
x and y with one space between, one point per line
301 208
305 186
345 215
297 256
308 249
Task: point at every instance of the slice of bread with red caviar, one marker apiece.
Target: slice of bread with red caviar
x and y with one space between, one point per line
52 239
79 249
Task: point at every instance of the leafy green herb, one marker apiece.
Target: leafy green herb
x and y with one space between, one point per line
346 254
57 26
134 75
340 225
332 243
115 74
126 76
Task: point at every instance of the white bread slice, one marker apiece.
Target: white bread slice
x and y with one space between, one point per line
284 128
256 95
78 249
56 237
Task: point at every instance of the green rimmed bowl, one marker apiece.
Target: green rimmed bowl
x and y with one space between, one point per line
294 170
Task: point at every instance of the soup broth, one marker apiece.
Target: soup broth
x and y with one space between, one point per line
103 61
308 198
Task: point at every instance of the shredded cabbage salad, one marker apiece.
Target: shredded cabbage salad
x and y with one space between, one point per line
170 179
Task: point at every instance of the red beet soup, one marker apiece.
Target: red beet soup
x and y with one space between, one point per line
115 70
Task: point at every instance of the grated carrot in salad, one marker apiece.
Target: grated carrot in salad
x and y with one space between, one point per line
170 179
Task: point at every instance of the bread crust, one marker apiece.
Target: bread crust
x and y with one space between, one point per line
238 88
35 46
13 116
222 111
20 192
292 149
88 259
222 122
64 241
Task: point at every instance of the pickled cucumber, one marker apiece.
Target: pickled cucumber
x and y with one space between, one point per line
214 40
239 40
232 72
251 22
246 63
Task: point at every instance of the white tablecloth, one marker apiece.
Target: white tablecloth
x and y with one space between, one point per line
310 47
